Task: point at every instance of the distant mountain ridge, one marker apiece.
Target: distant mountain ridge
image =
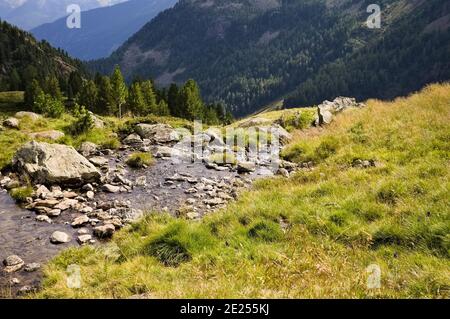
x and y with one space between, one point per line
28 14
102 30
23 59
249 53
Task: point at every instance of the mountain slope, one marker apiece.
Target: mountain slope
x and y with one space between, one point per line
316 234
28 14
103 30
23 58
249 53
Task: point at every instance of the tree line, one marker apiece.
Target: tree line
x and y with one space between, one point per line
112 96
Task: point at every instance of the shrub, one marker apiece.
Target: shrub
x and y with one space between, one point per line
49 106
266 231
84 121
139 160
327 148
20 194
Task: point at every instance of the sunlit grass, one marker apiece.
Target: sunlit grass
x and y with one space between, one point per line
313 235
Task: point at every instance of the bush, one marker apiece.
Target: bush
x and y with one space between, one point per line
48 106
84 121
266 231
327 148
139 160
20 194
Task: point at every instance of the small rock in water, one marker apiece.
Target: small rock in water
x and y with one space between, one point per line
83 231
87 188
54 213
246 167
14 281
141 181
13 263
83 239
110 188
59 237
90 195
44 218
80 221
32 267
104 231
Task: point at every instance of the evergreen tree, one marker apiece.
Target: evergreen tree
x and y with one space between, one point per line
135 101
75 83
88 95
149 96
163 109
31 93
173 98
119 90
190 100
105 102
14 81
52 88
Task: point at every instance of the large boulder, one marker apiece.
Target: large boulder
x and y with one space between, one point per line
158 133
54 164
327 110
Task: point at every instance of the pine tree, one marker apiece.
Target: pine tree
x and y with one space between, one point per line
135 101
191 102
88 95
75 83
31 93
173 98
105 102
163 109
14 81
119 90
51 87
149 96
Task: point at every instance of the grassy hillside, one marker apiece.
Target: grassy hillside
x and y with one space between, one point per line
313 235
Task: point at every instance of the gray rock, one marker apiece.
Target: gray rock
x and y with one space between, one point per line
87 188
80 221
33 116
246 167
104 231
87 148
99 161
133 139
50 135
54 164
90 195
66 204
13 263
11 123
98 123
327 110
44 219
32 267
157 133
59 237
84 239
110 188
